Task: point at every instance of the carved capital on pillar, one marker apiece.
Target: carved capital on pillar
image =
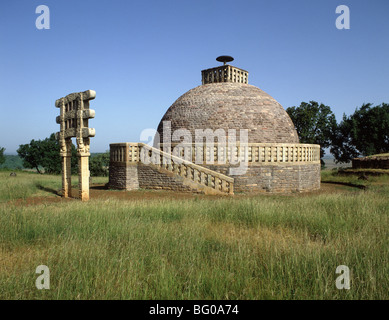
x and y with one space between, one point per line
83 148
66 148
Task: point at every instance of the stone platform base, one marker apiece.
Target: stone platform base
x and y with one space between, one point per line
275 178
140 176
258 178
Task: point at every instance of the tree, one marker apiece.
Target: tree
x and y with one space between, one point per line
99 165
45 153
363 133
2 158
314 123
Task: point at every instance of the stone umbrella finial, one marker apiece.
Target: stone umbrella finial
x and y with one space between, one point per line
225 59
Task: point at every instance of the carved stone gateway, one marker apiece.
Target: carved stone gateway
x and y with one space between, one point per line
74 116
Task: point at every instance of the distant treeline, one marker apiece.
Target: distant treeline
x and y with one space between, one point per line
14 162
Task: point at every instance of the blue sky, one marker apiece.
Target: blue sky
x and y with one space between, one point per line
140 56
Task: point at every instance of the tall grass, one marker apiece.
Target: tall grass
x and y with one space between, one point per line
15 188
27 184
278 247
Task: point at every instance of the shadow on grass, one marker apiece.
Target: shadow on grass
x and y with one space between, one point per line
99 187
348 184
49 190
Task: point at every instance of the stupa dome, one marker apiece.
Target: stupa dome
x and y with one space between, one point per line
231 105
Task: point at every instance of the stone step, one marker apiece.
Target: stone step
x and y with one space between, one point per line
191 175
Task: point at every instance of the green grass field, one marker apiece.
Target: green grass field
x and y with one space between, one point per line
155 246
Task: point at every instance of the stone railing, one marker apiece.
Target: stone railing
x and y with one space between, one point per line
118 152
201 177
371 162
252 153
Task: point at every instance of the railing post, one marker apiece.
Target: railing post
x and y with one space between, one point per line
126 156
209 180
231 188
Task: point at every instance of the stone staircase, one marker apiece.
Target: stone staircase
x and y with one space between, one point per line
190 175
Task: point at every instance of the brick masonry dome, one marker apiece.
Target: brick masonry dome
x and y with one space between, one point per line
231 105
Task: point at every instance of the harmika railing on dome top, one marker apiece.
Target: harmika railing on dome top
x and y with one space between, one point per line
224 73
140 152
